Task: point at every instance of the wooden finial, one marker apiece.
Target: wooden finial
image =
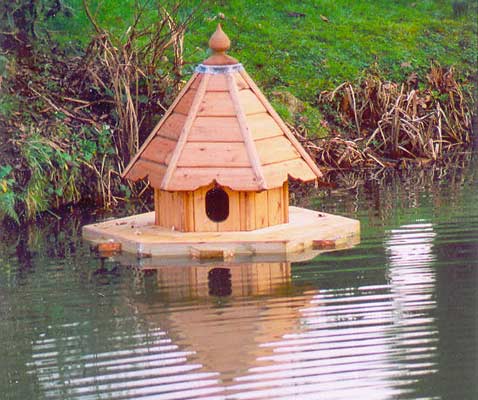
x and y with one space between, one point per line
219 42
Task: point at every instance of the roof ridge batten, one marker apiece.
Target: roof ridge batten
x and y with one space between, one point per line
158 126
183 137
244 129
273 113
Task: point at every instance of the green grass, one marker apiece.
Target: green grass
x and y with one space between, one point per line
287 45
306 55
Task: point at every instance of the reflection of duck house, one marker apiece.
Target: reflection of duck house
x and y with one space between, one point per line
224 333
219 161
199 281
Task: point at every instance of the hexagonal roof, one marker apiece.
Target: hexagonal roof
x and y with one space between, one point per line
221 128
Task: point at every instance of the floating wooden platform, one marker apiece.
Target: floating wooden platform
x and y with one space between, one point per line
307 233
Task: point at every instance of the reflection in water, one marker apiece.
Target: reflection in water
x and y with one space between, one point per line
392 318
366 342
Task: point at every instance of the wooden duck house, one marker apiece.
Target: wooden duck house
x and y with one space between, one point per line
219 160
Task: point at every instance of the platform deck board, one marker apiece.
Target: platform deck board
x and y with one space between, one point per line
138 234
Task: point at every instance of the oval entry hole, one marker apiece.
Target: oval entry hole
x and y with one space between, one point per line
217 205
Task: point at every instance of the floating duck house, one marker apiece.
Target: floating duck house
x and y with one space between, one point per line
219 161
220 158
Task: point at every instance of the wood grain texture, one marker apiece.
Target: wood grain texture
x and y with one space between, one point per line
217 83
252 154
275 206
285 202
192 178
184 133
262 209
277 174
283 126
215 129
189 222
304 227
172 127
184 105
207 154
159 150
233 221
250 103
202 222
144 167
240 82
263 126
275 150
229 125
216 104
159 124
250 206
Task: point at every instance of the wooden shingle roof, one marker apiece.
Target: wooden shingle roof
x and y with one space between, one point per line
221 128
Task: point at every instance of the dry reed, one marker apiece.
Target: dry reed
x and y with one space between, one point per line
385 122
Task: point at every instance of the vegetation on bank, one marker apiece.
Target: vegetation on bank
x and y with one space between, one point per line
80 91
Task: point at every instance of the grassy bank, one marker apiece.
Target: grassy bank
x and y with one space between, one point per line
64 120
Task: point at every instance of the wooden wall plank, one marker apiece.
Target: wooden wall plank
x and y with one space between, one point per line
201 221
157 220
177 210
189 211
262 214
233 221
285 202
250 211
242 211
275 200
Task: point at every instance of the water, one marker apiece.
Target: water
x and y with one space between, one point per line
392 318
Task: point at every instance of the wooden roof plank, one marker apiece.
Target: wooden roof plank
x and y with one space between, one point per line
216 104
159 150
172 126
275 149
184 134
160 123
249 143
210 154
249 102
215 129
276 174
283 126
263 126
241 178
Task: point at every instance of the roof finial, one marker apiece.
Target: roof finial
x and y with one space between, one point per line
219 42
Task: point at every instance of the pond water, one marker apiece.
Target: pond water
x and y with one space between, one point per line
395 317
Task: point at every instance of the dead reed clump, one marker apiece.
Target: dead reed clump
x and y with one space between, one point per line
400 121
72 122
128 69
